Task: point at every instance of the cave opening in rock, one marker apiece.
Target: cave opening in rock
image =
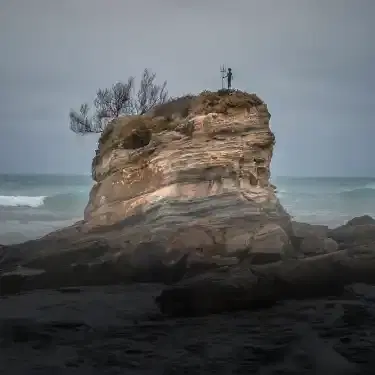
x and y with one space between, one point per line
252 179
137 139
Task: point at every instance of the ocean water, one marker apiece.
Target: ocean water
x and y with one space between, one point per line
326 200
34 205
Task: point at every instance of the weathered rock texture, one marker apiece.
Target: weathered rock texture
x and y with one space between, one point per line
203 164
186 186
250 287
321 271
143 160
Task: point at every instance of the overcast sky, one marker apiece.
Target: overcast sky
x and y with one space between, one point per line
312 61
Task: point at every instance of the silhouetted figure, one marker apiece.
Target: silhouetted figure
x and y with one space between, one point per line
229 77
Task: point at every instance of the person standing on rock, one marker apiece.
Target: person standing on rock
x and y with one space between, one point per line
229 77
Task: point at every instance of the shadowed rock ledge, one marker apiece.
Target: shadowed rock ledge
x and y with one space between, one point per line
349 259
252 287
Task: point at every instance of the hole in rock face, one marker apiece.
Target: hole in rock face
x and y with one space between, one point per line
262 173
139 138
253 180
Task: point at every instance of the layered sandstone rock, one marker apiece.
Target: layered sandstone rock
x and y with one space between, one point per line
186 186
200 166
143 160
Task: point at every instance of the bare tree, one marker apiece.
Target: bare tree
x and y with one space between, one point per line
113 102
81 122
149 94
119 100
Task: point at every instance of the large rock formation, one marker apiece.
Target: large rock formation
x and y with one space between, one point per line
200 168
186 185
144 160
182 196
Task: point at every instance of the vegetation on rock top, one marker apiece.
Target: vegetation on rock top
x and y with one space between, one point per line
119 100
133 132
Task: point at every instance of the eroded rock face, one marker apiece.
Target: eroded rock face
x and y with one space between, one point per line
206 173
224 153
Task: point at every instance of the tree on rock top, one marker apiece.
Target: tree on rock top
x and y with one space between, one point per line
118 100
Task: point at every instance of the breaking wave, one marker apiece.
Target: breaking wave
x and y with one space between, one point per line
365 192
57 202
21 201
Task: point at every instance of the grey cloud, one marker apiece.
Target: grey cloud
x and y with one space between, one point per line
312 61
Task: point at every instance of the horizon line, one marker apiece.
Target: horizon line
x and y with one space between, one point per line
318 176
89 175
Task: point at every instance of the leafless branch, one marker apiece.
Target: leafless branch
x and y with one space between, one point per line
80 122
149 94
118 100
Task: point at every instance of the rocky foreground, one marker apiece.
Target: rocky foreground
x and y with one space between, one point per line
249 286
118 330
